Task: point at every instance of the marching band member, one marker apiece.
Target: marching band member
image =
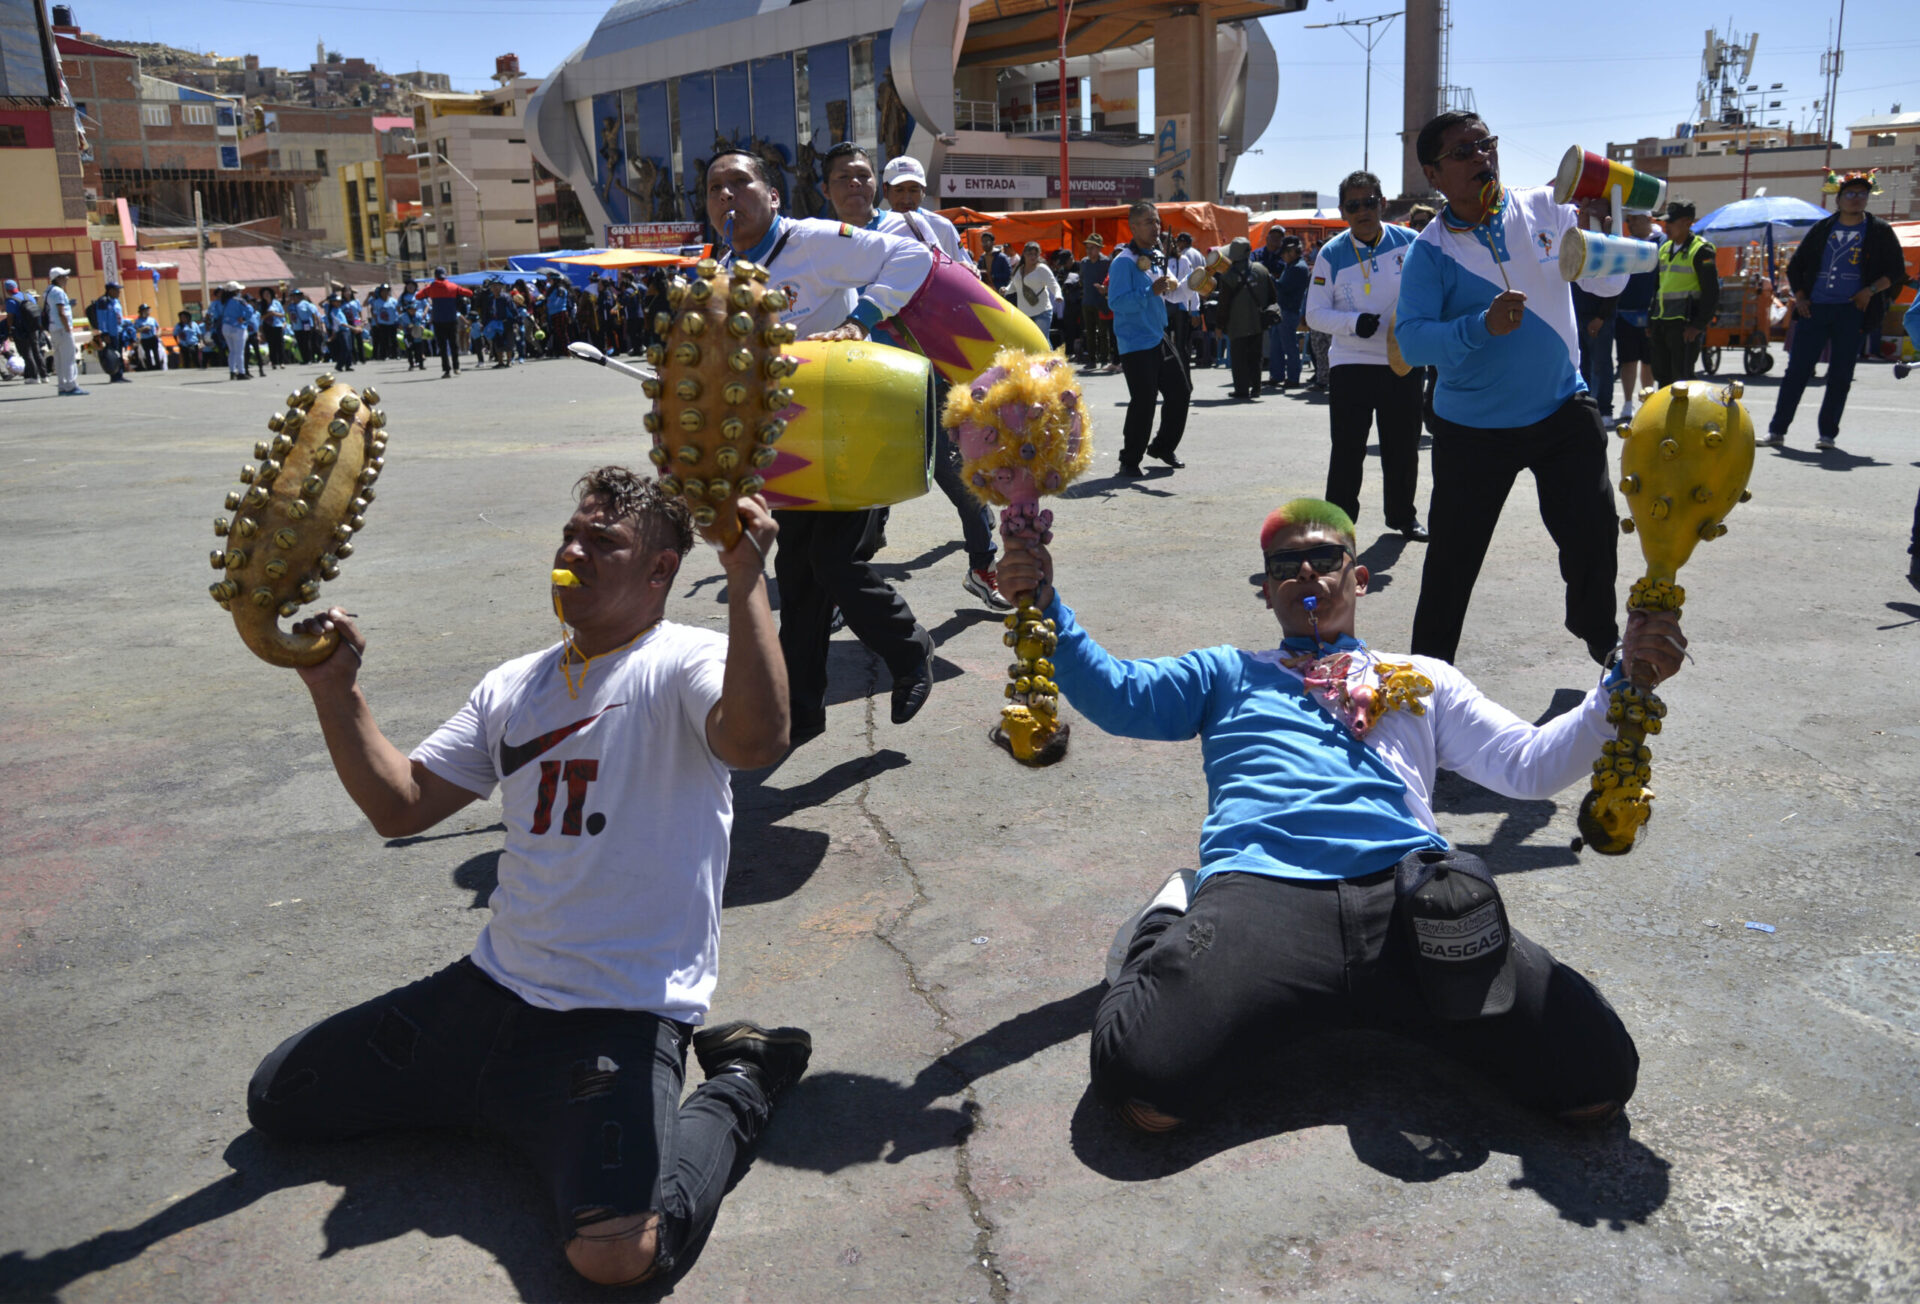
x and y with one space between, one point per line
906 184
840 282
1356 283
1482 299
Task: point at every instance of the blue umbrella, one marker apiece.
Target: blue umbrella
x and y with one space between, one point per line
1781 216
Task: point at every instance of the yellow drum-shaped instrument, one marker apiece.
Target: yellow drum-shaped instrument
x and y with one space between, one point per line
740 409
859 429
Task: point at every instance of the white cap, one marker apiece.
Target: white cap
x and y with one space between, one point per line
903 168
234 285
55 273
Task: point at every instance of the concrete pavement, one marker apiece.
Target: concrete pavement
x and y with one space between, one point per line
186 884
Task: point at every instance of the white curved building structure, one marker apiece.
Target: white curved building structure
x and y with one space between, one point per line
970 89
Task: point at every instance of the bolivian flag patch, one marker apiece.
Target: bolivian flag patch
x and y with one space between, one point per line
846 230
1319 280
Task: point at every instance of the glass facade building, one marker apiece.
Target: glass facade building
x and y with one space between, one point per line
653 142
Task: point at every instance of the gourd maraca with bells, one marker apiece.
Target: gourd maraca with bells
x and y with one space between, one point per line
719 395
1023 431
305 498
1683 467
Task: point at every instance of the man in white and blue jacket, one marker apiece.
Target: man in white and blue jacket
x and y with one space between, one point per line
1356 281
1483 301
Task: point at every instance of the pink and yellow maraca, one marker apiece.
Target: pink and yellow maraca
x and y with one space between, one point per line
1023 432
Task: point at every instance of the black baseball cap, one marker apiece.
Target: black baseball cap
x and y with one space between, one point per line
1456 929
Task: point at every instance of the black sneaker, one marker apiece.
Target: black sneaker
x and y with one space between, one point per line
774 1058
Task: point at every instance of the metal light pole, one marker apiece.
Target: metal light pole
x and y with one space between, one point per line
1378 20
1066 190
479 203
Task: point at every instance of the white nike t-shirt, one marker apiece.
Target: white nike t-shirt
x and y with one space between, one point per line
618 816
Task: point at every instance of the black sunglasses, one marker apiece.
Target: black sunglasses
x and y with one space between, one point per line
1371 201
1466 149
1325 558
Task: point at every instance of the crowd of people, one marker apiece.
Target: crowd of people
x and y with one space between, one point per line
249 331
1326 897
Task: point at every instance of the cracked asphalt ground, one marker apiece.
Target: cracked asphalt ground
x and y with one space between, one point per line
186 884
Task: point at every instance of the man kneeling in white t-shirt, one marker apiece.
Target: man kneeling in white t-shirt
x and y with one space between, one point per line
566 1030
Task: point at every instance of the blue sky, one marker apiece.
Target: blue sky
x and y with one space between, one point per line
1543 80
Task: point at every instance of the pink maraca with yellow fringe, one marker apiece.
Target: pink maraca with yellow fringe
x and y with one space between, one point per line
1023 432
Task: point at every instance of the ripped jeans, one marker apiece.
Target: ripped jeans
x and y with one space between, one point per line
591 1097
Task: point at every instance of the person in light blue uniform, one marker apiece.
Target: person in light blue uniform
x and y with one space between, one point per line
1315 805
273 325
386 322
1148 356
186 338
340 333
308 340
109 322
146 333
1482 300
239 324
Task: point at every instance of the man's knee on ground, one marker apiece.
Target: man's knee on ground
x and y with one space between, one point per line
1122 1085
615 1251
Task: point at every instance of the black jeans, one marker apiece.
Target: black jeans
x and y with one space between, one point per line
590 1097
1152 372
1669 352
1257 964
1365 396
819 566
1834 327
1473 471
276 344
1244 352
446 343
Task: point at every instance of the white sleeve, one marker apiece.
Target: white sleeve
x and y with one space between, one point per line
1495 748
950 240
458 752
701 675
1322 316
886 270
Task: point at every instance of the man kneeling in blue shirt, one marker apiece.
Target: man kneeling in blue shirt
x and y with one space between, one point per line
1320 758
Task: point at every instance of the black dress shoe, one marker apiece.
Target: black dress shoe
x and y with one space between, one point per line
1414 532
1130 472
1168 458
910 692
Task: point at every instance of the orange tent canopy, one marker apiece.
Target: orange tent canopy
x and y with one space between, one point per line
1054 228
630 258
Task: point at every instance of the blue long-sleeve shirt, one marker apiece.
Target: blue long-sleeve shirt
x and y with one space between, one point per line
1291 793
1139 315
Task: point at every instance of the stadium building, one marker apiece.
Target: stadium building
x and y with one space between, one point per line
971 89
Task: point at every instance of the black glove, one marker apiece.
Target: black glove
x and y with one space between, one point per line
1369 323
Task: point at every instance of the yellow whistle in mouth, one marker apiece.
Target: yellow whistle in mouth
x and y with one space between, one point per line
566 579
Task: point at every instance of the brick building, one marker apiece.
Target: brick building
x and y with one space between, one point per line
43 206
154 142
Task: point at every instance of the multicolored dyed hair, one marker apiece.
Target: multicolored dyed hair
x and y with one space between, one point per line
1307 511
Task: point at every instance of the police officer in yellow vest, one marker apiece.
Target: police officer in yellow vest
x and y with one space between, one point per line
1688 294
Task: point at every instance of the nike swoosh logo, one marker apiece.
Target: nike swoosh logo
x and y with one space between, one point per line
515 755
